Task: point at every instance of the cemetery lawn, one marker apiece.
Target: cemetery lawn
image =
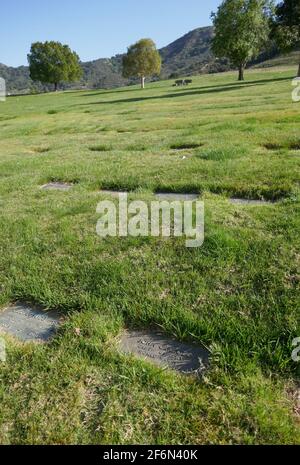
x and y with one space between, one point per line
238 294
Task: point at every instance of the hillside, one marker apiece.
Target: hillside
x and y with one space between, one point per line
16 78
190 54
104 73
279 60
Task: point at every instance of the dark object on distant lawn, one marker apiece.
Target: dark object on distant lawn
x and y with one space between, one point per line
29 323
185 146
165 351
183 82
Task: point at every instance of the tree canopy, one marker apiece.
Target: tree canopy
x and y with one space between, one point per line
53 63
241 30
142 60
287 25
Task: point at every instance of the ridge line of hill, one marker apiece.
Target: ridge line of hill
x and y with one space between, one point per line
189 55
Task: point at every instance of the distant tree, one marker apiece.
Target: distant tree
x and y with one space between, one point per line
241 30
142 60
53 63
287 25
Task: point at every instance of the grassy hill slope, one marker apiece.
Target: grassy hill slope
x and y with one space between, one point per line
289 59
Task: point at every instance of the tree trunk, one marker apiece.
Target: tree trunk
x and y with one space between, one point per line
241 73
143 82
55 87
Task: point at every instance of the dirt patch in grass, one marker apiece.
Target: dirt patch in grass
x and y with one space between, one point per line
41 149
295 146
165 352
100 148
271 146
186 146
293 392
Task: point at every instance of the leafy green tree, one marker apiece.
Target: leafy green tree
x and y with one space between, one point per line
287 25
53 63
142 60
241 30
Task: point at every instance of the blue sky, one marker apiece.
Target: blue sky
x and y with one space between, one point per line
96 28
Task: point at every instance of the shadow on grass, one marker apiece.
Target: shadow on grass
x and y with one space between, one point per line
196 91
107 92
246 83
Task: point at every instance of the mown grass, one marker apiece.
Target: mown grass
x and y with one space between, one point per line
238 294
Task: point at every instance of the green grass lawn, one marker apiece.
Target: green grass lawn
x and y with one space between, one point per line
238 294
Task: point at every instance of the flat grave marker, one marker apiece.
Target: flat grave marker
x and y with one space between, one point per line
173 196
62 186
164 351
112 193
237 201
29 323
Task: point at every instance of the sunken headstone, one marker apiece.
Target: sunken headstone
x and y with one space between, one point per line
165 352
28 323
112 193
63 186
237 201
173 196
